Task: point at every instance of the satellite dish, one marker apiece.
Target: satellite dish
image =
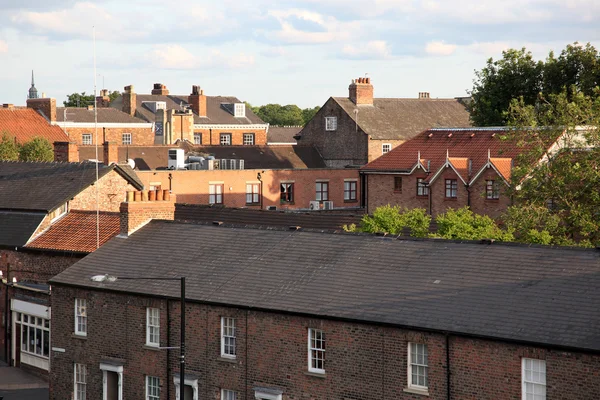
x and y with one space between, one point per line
131 163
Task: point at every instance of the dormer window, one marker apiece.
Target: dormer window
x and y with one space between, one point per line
240 110
59 212
330 123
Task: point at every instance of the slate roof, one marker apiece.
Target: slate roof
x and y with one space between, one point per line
17 227
76 231
403 119
283 134
40 186
218 109
321 220
105 115
25 123
270 157
536 294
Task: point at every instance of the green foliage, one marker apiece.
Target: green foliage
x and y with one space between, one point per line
309 113
465 225
517 75
113 95
79 100
37 149
289 115
9 148
393 220
534 224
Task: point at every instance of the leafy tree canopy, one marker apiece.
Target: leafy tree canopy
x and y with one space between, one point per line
518 74
289 115
37 149
84 100
9 148
463 224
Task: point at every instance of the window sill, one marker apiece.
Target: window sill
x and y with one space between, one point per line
422 196
351 201
492 200
148 347
231 360
450 198
252 204
78 336
321 375
423 392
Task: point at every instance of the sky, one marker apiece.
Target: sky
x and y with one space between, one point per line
275 51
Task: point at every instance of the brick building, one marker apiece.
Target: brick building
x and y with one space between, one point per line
195 118
23 124
290 314
357 129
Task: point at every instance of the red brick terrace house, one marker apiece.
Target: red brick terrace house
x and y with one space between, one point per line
196 118
444 168
47 223
310 318
23 124
357 129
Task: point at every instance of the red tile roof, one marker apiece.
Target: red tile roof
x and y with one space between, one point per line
77 232
25 124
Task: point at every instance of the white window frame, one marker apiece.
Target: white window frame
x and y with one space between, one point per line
150 379
492 189
41 329
385 146
412 362
227 394
239 110
152 326
540 382
215 193
226 142
118 369
422 187
197 138
80 317
252 193
331 124
188 382
85 137
314 348
126 139
59 212
228 337
261 394
77 381
249 136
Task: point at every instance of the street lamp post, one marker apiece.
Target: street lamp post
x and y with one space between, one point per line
111 278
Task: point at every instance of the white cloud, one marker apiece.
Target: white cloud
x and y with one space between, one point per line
332 30
3 47
174 56
375 49
440 48
486 12
277 51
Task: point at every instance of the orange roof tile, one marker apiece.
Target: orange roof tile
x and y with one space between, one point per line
25 123
503 165
77 232
461 165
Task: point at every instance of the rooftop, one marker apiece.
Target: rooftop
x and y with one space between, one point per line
25 123
105 115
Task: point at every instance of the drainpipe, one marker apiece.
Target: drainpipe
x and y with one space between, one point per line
259 177
170 182
430 200
468 195
168 349
7 317
448 388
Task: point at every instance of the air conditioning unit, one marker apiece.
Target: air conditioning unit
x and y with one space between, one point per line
328 205
314 205
176 159
272 208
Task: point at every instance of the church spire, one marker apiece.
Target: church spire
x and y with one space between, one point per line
33 93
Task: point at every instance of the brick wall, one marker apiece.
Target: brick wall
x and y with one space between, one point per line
35 266
481 205
212 137
135 214
113 188
139 136
193 186
439 202
362 361
46 105
376 147
381 191
66 152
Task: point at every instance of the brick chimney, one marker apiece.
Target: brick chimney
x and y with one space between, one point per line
143 206
129 100
103 100
9 106
361 91
66 152
160 89
197 100
111 153
45 106
423 95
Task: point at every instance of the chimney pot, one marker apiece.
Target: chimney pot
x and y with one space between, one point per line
137 196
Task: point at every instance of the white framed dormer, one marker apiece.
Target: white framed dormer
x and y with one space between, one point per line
59 212
192 382
331 123
117 369
386 148
239 110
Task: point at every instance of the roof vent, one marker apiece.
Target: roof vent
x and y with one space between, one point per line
219 223
450 135
430 135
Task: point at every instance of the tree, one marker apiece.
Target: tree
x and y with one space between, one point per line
577 66
564 177
535 224
113 95
37 149
309 113
84 100
9 148
289 115
463 224
393 220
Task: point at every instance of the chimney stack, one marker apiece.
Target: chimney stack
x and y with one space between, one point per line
66 152
423 95
143 206
111 153
160 89
44 106
361 91
103 100
9 106
129 100
197 100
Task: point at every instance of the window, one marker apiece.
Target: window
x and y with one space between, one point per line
322 191
59 212
80 381
227 337
286 193
215 194
330 123
534 379
385 148
152 327
417 365
197 138
491 190
248 139
398 184
225 139
152 388
240 110
126 138
86 138
35 335
316 350
422 188
350 190
228 394
81 317
451 188
252 193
